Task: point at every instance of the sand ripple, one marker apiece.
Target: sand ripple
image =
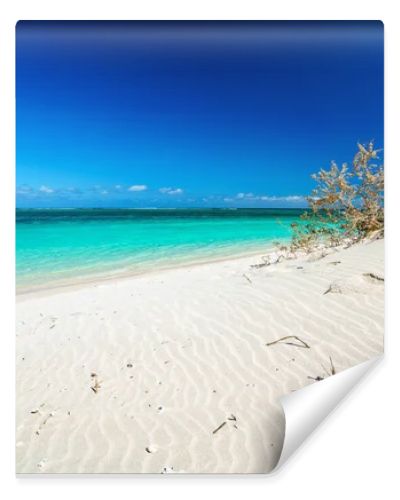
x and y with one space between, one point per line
177 353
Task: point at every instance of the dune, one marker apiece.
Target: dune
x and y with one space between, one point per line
181 370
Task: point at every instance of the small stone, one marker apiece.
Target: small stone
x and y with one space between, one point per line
167 470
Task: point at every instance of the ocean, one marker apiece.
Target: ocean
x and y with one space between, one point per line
67 246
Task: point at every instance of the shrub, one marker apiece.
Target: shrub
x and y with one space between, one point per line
346 204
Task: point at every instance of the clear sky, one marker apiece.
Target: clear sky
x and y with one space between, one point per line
162 114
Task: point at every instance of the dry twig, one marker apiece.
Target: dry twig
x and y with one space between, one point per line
301 344
218 428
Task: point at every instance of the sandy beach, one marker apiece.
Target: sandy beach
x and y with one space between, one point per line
170 371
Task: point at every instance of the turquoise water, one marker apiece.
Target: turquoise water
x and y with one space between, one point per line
56 246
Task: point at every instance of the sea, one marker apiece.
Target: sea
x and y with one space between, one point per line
57 247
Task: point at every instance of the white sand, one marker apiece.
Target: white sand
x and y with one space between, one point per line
177 353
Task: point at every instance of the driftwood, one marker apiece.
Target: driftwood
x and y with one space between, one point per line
218 428
301 344
333 288
330 372
333 370
248 279
96 383
374 276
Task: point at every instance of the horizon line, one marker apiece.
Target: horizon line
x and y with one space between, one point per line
161 208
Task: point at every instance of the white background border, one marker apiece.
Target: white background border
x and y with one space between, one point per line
355 453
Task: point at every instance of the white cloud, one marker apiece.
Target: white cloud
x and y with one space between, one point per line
103 191
46 189
294 198
138 187
25 189
172 191
253 197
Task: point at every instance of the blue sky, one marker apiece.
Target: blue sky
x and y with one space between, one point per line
162 114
